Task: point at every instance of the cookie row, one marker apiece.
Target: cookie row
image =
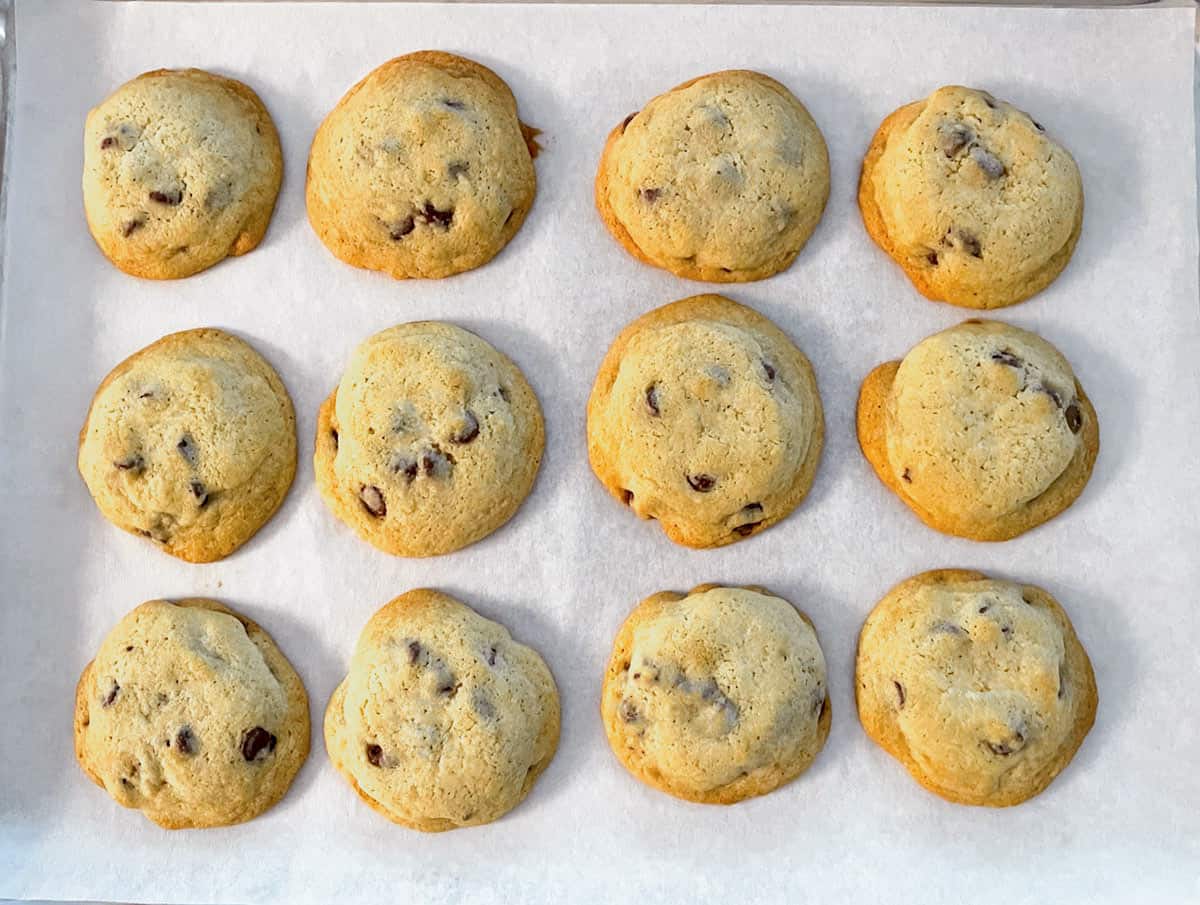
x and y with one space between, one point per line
424 169
190 712
704 416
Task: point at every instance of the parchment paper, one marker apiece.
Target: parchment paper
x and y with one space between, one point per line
1121 824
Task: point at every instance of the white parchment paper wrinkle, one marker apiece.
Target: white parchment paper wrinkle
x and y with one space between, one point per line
1121 824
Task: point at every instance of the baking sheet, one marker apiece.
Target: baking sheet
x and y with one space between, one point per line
1122 824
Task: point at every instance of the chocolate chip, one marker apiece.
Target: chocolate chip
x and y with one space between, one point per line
626 497
449 686
432 216
128 648
187 449
988 162
453 104
334 435
953 137
398 231
964 241
111 696
134 463
906 477
469 430
625 122
458 168
199 492
434 461
941 627
1006 631
405 466
132 226
701 483
372 499
1007 357
1008 746
257 743
171 198
747 529
1037 125
375 755
652 399
503 391
899 691
769 370
649 195
983 609
1074 418
107 143
628 711
414 651
988 99
752 509
491 656
185 741
1052 393
932 258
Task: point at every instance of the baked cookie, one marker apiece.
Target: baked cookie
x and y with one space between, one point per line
722 179
978 686
190 442
181 169
192 715
422 169
982 430
972 198
706 417
716 695
430 442
443 721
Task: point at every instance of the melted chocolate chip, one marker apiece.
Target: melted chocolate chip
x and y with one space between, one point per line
434 460
109 698
899 691
906 476
257 743
988 162
1037 125
701 483
628 711
747 529
132 226
185 741
1052 393
372 500
988 99
134 463
458 168
469 430
107 143
405 466
399 230
649 195
448 687
983 609
375 755
652 399
965 241
1007 747
414 651
503 391
625 122
433 217
483 706
171 198
199 492
491 656
769 370
453 104
942 627
334 435
626 496
1007 357
187 449
953 137
1074 418
932 258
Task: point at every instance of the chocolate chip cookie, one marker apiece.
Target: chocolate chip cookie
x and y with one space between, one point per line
705 416
430 442
192 715
982 430
423 169
181 169
972 198
978 686
443 721
716 695
190 442
721 179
